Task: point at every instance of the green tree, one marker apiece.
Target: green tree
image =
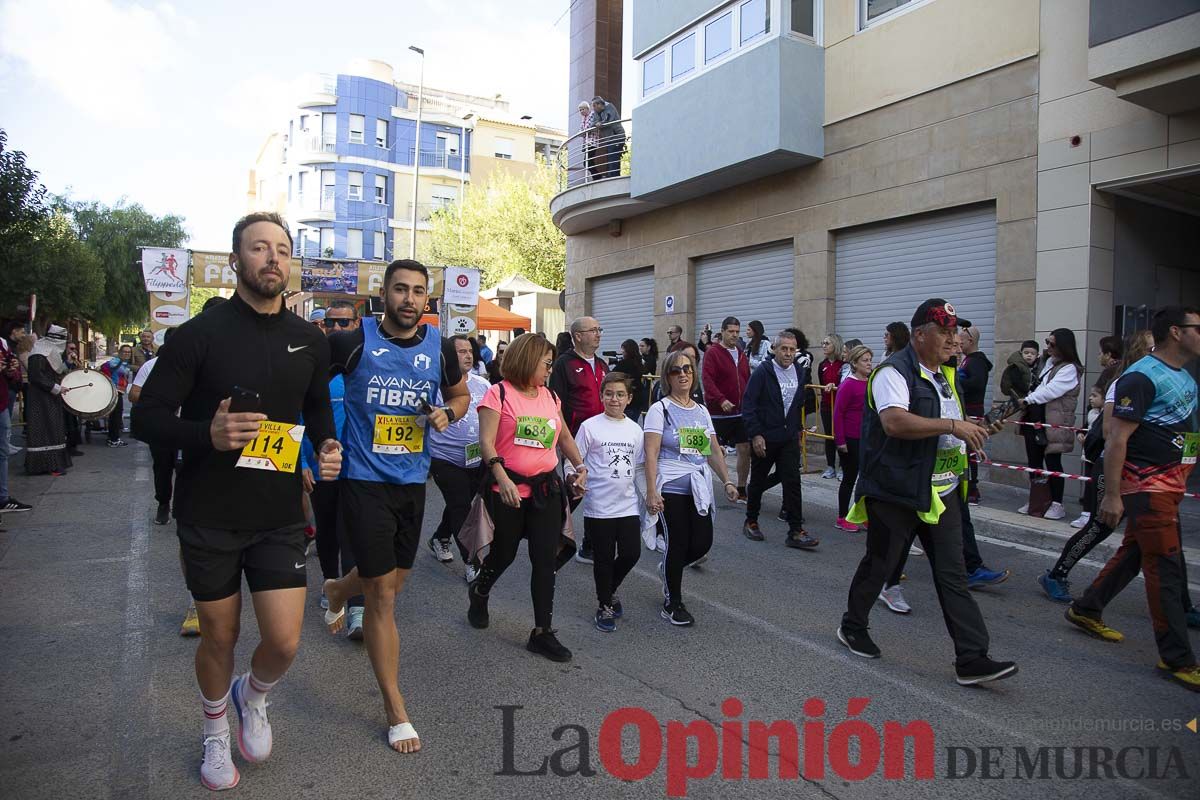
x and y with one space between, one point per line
114 234
506 230
39 251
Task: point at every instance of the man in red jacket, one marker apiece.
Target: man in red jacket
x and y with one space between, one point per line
725 372
576 378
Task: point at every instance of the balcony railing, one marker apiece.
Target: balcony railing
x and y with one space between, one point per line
594 154
425 211
440 159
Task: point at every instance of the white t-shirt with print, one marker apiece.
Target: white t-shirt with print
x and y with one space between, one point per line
611 450
889 390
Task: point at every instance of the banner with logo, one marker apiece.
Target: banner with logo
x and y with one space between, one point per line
167 310
327 275
460 320
462 286
164 269
370 278
212 271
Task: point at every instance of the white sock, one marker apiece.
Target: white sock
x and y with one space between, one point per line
215 720
254 690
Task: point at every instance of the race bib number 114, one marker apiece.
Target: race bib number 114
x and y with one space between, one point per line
275 449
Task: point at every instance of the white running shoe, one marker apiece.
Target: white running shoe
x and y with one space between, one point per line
893 598
470 572
1082 520
217 770
441 550
254 730
828 473
916 550
1023 509
1056 511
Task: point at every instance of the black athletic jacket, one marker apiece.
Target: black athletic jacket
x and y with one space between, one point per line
280 356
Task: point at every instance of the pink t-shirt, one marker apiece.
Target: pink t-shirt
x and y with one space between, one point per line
528 431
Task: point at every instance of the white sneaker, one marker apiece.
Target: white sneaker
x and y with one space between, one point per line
893 598
1082 520
1023 509
1056 511
470 572
828 473
354 623
916 550
217 770
254 730
441 550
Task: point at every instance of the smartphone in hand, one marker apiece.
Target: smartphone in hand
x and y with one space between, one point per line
243 401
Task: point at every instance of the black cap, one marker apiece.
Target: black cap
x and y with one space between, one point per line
938 311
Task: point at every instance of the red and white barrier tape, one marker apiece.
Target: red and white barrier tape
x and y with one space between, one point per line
1052 474
1037 425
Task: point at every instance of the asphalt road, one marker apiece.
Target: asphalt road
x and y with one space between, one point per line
101 699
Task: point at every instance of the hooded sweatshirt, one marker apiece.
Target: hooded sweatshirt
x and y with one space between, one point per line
973 371
1017 376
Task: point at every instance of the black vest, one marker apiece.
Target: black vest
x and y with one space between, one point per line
901 470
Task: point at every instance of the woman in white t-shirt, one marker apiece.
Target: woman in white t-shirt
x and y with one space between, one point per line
681 454
611 447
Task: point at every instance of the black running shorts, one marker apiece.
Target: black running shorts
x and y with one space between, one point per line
731 431
215 558
382 523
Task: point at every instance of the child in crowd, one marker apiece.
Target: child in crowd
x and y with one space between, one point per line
610 445
1017 377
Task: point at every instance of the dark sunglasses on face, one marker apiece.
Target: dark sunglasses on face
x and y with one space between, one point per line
340 323
686 369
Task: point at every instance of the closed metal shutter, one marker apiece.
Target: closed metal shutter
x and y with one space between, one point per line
755 283
624 305
886 270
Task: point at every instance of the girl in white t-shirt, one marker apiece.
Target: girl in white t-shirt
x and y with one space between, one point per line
611 447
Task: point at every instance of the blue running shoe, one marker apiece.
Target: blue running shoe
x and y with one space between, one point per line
986 577
1057 590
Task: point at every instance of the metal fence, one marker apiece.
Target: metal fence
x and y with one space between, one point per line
594 154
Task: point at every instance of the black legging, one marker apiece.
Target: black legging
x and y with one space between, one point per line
616 547
540 523
1040 459
831 451
849 476
689 537
458 486
1090 535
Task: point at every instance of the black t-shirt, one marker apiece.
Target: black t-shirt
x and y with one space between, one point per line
280 356
346 350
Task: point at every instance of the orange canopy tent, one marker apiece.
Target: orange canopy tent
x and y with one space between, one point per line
490 317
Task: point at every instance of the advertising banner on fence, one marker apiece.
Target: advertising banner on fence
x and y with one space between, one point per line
167 310
164 270
325 275
462 286
460 320
370 278
212 271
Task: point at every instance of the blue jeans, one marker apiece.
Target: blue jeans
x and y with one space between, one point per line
5 430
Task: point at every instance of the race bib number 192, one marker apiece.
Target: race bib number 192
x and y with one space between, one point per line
275 449
398 434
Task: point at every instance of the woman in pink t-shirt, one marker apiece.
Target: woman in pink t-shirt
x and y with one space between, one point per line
847 424
520 429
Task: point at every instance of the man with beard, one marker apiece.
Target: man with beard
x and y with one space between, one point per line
45 426
393 371
238 493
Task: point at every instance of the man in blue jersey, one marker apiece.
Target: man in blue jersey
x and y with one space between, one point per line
1149 451
393 371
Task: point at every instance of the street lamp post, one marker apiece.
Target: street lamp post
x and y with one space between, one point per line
412 244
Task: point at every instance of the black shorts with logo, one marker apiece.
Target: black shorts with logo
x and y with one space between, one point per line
215 558
731 431
382 523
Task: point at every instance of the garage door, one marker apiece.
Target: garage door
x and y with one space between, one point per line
755 283
886 270
624 304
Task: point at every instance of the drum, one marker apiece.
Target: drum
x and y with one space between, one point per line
88 393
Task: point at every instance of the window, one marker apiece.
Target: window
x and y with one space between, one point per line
291 137
381 133
755 19
299 188
654 72
503 148
683 56
327 242
328 181
381 189
303 122
354 243
290 188
873 10
328 132
447 144
718 37
356 184
357 126
443 196
380 243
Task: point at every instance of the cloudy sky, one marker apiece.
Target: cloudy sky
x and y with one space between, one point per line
167 103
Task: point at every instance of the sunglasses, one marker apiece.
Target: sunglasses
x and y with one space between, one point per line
340 323
943 385
686 369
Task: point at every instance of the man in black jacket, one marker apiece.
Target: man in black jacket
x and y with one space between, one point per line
973 371
771 413
612 137
238 493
